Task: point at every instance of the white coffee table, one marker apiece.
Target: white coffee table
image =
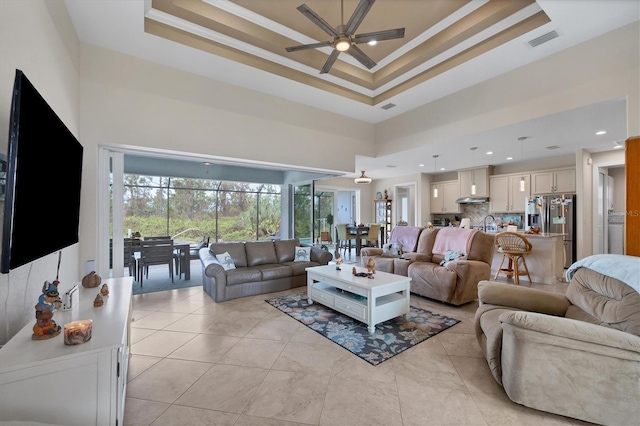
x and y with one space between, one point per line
386 296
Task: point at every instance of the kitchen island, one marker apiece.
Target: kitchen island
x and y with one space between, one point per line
545 262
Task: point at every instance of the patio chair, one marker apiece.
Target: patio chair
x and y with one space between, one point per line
155 252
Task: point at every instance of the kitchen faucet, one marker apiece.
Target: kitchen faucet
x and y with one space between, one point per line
484 227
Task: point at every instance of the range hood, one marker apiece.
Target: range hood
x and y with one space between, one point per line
472 200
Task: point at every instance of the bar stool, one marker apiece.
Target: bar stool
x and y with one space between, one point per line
513 247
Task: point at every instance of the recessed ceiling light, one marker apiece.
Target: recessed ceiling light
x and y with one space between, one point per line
206 163
509 158
421 165
601 132
552 147
489 152
442 168
372 43
618 144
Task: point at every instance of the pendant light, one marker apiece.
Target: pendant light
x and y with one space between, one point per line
362 178
435 169
522 181
473 174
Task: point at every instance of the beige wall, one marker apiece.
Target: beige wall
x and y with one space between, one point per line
598 70
38 38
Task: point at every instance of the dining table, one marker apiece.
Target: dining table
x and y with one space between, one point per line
360 232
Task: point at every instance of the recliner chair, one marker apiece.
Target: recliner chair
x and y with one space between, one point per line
577 355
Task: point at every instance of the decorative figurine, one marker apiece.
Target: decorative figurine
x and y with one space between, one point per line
353 271
91 280
49 300
104 290
338 259
98 301
386 194
371 268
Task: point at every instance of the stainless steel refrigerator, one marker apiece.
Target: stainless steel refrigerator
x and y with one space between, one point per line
558 215
554 213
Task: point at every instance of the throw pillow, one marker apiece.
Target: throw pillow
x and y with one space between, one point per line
226 261
303 254
392 250
452 256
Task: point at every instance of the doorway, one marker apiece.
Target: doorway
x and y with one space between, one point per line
406 209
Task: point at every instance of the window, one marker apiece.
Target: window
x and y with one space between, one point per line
223 210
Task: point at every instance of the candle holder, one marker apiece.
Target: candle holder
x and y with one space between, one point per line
77 332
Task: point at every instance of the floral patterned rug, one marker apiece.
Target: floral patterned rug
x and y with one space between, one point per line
391 337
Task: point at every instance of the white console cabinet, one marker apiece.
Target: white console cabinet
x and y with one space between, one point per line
49 382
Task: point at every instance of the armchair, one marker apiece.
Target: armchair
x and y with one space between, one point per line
577 355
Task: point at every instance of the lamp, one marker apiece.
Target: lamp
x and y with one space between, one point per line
435 169
343 44
522 181
362 179
473 174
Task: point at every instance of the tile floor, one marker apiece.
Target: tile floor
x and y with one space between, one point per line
243 362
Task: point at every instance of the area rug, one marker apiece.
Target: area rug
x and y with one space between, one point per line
159 280
391 337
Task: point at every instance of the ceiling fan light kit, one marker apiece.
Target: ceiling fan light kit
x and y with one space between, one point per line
344 37
362 179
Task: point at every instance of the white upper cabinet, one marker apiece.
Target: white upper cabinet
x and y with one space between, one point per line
479 176
448 193
553 181
505 195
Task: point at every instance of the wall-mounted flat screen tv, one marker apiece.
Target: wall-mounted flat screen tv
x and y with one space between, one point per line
43 178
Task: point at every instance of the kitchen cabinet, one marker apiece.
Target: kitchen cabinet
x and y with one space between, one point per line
46 381
383 217
448 193
505 195
478 175
553 181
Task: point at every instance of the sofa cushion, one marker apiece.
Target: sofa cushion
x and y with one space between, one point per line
226 261
607 299
303 254
236 250
299 268
273 271
425 244
260 253
285 249
243 275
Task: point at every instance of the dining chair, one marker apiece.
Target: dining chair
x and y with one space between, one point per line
373 236
343 238
155 252
194 253
513 248
130 258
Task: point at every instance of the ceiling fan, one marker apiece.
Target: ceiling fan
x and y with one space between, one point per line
344 37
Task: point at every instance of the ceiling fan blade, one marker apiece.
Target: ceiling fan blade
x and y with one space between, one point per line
361 57
316 19
379 36
332 58
358 15
308 46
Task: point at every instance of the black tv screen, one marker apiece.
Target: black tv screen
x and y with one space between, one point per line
44 174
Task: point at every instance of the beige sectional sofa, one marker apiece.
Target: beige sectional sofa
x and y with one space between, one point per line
259 267
575 354
422 251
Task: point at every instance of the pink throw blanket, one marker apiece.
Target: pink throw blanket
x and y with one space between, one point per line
456 239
